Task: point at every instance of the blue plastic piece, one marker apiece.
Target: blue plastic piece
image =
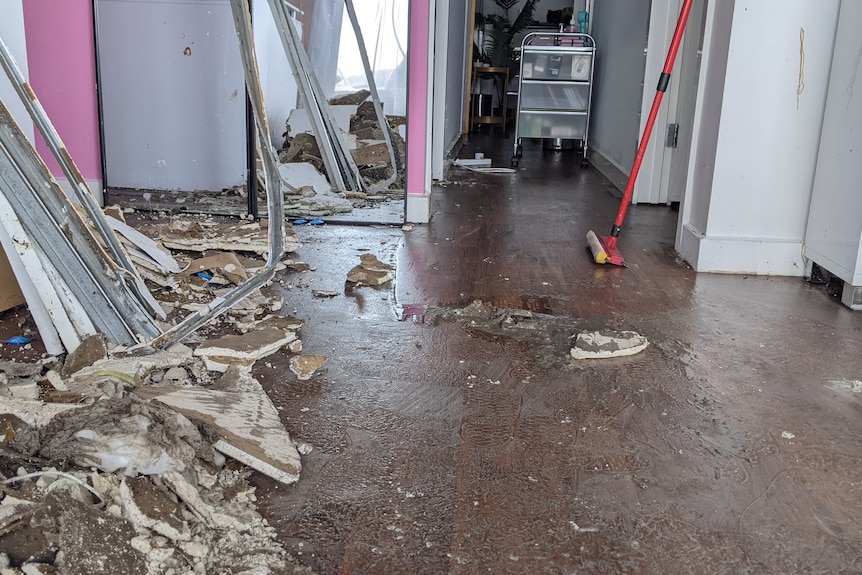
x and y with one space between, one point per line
18 340
299 222
316 222
204 275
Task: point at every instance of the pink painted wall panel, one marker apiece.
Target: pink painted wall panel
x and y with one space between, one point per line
62 62
417 95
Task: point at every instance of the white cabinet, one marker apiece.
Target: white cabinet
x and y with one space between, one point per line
833 238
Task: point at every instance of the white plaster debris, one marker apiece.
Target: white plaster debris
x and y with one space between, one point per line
787 435
578 529
370 271
247 420
304 366
243 350
853 385
605 344
221 531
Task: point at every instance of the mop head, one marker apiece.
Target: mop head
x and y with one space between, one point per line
602 253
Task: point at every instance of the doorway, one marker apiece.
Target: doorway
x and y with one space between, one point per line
174 115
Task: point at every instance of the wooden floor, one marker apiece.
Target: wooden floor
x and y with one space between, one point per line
446 443
519 240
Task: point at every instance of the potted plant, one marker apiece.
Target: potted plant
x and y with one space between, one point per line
500 31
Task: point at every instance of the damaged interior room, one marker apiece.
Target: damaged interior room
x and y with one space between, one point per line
402 286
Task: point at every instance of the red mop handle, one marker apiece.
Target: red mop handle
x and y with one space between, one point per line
663 82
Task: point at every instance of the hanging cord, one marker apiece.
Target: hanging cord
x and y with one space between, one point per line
800 86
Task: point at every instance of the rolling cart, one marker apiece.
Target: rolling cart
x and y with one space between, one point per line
555 89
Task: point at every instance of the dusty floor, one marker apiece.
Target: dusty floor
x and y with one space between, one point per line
450 444
466 443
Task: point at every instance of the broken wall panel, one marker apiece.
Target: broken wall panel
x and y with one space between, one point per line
52 224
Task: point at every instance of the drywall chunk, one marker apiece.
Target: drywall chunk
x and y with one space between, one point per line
225 264
242 350
371 155
304 366
370 271
144 505
248 422
91 350
604 344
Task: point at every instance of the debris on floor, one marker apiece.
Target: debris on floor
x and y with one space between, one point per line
140 439
203 234
303 165
605 344
87 521
247 422
370 272
242 351
324 293
305 366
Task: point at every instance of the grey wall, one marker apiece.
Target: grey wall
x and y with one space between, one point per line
173 95
12 32
456 64
620 28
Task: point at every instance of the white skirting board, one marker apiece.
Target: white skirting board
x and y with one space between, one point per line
755 256
418 208
94 185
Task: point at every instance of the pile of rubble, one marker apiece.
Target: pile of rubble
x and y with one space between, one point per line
360 129
116 462
130 459
128 486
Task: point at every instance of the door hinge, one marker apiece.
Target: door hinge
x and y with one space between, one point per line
672 135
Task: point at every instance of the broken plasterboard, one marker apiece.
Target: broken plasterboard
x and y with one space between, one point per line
242 350
299 122
226 264
300 174
150 247
605 344
248 422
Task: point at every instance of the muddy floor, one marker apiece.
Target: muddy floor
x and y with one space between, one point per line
453 443
458 438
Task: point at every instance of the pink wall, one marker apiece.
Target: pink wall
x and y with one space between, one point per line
62 62
417 95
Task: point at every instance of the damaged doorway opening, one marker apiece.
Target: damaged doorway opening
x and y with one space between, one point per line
176 126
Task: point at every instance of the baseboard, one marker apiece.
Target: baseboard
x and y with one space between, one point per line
608 169
452 152
418 208
755 256
94 185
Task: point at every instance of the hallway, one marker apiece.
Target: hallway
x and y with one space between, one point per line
450 440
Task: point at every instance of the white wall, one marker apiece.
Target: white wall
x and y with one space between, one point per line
450 63
834 235
173 95
12 32
276 77
620 30
767 139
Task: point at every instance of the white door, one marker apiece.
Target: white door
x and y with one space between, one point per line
662 176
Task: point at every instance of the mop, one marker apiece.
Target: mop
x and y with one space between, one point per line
604 248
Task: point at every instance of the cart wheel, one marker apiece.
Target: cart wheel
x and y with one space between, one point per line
515 161
585 163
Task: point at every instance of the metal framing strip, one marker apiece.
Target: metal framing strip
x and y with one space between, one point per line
340 167
375 99
55 227
274 193
121 263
